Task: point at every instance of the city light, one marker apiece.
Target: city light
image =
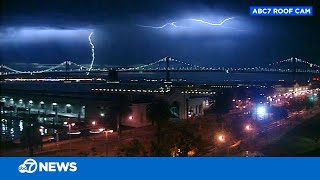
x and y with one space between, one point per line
312 98
261 111
108 131
248 127
41 130
157 107
221 138
191 153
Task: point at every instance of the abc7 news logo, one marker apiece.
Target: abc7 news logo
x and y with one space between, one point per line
28 166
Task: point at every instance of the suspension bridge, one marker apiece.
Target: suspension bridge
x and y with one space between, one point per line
167 64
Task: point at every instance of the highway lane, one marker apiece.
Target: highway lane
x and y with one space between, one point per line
262 136
85 143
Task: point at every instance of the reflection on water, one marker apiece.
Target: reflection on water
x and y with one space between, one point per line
21 125
45 113
12 129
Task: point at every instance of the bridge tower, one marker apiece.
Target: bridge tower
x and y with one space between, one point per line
113 75
167 69
67 70
294 69
1 72
1 69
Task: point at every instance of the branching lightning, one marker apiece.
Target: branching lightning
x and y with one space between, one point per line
159 27
92 49
192 19
211 24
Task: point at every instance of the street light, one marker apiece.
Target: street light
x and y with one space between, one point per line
250 133
261 112
248 127
106 143
69 126
221 138
93 123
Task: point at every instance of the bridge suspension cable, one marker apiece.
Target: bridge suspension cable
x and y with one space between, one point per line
52 68
10 69
181 65
146 65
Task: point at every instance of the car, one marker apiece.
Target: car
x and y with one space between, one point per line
74 132
96 131
48 139
251 154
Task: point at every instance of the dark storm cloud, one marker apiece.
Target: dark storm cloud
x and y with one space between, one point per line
118 40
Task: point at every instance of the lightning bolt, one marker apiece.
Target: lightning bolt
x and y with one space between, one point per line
92 49
211 24
196 20
159 27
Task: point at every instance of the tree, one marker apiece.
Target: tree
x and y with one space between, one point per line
121 108
178 140
309 103
295 105
134 149
159 113
223 103
31 136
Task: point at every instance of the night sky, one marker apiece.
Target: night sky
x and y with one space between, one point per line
50 32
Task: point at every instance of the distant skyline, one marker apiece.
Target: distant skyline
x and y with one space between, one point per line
50 32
